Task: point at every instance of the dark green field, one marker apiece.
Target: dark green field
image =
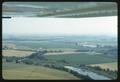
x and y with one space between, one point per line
59 51
81 58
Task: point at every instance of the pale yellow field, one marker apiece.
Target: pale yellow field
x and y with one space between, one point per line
16 53
61 53
63 49
66 53
112 66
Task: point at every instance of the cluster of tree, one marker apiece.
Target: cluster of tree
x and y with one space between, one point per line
35 58
109 51
101 69
107 72
83 77
49 51
54 65
98 68
31 59
12 59
54 51
24 49
9 46
37 55
27 61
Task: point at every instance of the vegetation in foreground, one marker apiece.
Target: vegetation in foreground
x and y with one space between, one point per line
39 60
22 71
25 63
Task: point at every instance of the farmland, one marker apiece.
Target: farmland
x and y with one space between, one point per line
112 66
64 53
31 72
16 53
58 42
81 58
66 41
43 57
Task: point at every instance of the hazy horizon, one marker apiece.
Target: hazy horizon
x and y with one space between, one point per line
60 26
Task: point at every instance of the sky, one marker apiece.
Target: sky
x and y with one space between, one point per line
68 26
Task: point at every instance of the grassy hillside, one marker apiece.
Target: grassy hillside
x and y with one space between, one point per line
16 53
112 66
81 58
21 71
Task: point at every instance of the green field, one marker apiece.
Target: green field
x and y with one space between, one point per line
59 51
81 58
57 42
31 72
16 53
112 66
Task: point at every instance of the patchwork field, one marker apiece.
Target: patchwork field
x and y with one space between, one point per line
112 66
71 52
62 53
16 53
62 49
21 71
78 58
